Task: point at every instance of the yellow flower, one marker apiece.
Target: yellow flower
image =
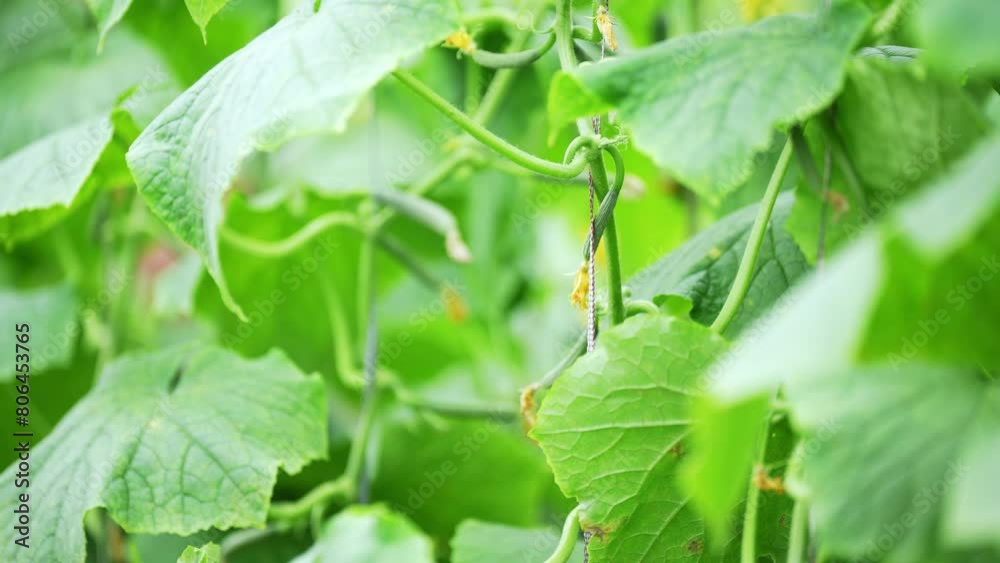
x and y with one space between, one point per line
607 28
462 41
580 287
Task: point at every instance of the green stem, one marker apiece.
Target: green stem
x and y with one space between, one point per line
501 83
577 350
292 243
615 301
749 261
359 443
804 156
748 547
473 79
842 160
890 17
395 249
798 532
563 29
491 140
515 59
343 350
322 495
567 541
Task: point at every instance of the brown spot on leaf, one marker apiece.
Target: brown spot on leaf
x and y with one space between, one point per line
677 450
696 546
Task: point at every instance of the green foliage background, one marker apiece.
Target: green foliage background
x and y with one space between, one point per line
288 268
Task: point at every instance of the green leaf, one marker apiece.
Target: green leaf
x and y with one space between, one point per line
892 153
369 534
913 288
46 177
483 542
901 292
892 156
50 316
907 445
174 441
44 98
108 13
614 428
703 269
276 88
202 12
960 35
208 553
54 138
461 469
174 289
703 105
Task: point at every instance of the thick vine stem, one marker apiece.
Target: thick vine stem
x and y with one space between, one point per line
490 59
748 547
616 305
491 140
567 541
749 261
799 531
322 495
608 201
639 307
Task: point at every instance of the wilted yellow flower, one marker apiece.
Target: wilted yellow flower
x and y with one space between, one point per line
454 305
581 285
607 28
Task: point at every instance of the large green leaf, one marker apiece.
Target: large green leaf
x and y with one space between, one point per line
614 428
483 542
905 461
276 88
702 106
54 138
438 477
369 534
703 269
173 441
914 287
892 155
50 316
46 177
889 151
960 34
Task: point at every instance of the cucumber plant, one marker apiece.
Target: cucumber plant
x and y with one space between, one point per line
295 281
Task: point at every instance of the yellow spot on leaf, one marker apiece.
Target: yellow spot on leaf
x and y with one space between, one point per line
714 253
